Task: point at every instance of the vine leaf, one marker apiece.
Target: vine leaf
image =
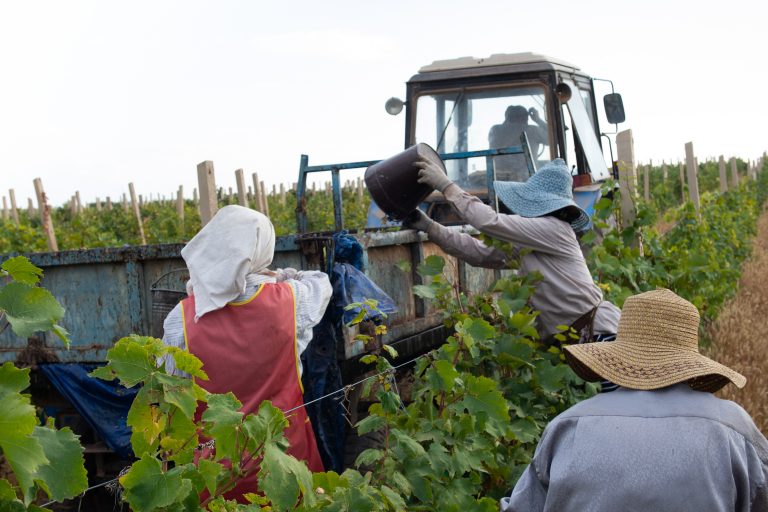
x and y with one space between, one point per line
29 308
22 270
64 475
283 479
21 450
146 487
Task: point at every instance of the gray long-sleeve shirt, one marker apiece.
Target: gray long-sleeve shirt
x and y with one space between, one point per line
567 290
669 450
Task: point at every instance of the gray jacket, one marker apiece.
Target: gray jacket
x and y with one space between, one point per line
673 449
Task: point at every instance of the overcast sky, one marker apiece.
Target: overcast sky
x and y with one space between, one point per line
96 94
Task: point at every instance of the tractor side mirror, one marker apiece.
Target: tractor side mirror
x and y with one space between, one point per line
614 108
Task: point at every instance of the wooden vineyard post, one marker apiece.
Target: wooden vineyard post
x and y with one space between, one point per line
206 182
6 214
360 191
78 202
665 173
30 208
194 196
264 200
625 148
693 179
109 204
734 174
242 196
98 204
257 192
282 194
723 175
45 215
137 213
180 204
14 210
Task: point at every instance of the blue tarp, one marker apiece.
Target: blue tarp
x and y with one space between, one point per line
322 374
104 405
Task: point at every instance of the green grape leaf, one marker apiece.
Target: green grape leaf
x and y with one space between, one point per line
13 505
6 491
29 308
131 361
424 291
210 472
180 439
283 479
12 379
267 425
147 487
178 391
483 397
22 270
17 422
432 266
222 421
64 475
395 500
146 421
370 423
368 457
188 362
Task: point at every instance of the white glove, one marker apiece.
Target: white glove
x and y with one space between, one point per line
432 174
417 219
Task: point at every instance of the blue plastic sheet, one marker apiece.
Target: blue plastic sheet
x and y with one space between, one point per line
322 374
350 285
104 405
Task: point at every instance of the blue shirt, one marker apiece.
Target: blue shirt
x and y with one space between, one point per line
673 449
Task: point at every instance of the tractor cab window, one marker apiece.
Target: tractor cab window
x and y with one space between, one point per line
478 119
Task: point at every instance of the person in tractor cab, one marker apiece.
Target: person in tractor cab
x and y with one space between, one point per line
507 134
248 324
543 234
662 442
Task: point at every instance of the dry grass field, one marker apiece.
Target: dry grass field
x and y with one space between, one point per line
740 334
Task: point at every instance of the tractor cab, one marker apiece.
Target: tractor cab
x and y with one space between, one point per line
502 117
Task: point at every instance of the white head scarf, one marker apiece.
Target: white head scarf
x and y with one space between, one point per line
236 242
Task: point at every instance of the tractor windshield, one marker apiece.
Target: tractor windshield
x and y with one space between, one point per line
476 119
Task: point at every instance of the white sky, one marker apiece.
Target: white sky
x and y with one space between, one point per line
96 94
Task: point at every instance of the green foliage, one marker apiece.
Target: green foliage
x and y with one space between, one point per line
118 227
41 458
699 258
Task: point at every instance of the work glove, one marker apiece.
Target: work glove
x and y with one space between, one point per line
430 173
417 219
283 274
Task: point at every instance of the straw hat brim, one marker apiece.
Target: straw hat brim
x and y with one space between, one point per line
636 367
527 201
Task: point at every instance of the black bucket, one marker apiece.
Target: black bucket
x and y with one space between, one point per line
393 182
165 297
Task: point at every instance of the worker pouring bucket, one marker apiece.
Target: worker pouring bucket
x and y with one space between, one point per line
393 182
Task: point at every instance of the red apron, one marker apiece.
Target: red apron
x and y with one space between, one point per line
249 348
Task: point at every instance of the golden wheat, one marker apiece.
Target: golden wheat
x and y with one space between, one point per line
740 331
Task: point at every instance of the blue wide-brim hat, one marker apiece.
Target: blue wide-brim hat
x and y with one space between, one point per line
549 190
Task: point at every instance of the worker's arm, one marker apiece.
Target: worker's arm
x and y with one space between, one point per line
313 292
466 247
460 245
543 234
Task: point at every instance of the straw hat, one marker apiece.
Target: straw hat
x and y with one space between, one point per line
657 345
550 189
